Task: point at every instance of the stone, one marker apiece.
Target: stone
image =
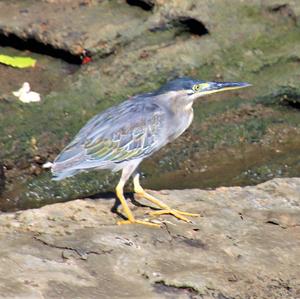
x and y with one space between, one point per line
238 138
245 245
2 178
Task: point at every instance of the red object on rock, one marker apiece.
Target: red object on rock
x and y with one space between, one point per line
86 59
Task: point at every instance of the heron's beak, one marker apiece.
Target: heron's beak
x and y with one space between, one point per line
213 87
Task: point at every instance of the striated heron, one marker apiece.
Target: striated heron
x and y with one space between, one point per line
122 136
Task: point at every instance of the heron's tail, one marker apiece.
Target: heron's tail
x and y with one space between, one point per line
66 164
57 176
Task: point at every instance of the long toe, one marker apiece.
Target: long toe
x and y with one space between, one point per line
175 213
187 213
135 221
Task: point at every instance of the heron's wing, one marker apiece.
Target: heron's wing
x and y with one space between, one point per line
129 131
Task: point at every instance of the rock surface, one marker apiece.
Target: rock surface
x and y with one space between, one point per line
2 178
135 49
246 244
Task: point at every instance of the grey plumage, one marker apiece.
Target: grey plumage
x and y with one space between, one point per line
129 131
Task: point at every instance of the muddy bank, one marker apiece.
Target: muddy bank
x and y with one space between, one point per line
245 245
145 44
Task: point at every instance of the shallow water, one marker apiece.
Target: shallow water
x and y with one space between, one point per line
240 166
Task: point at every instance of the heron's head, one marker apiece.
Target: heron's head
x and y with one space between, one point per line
189 89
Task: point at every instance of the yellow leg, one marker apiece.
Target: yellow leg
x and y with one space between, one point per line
165 209
127 211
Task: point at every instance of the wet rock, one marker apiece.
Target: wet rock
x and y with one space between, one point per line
284 10
72 27
42 190
2 178
244 245
288 96
144 4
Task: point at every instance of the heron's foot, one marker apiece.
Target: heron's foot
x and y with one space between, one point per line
164 209
135 221
176 213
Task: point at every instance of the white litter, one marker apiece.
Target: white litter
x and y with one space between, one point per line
47 165
25 95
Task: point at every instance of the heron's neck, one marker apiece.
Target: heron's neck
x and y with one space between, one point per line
182 117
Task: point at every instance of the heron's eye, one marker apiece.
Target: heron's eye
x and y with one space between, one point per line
196 87
201 86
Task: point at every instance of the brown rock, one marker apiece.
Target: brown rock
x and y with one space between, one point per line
245 245
2 178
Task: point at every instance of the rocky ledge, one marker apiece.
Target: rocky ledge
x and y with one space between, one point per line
246 244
